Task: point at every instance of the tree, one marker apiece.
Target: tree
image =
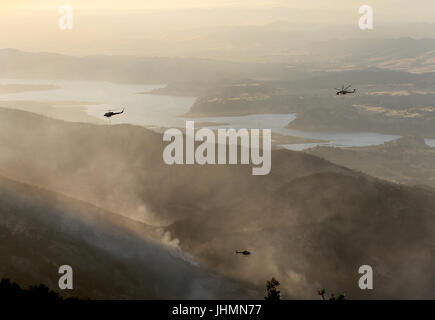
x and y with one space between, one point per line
12 291
332 296
273 294
322 293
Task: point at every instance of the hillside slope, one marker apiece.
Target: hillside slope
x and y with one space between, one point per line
41 230
309 223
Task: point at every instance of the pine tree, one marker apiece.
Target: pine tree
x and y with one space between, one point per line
273 294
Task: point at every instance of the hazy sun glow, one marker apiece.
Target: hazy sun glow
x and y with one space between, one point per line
153 25
152 4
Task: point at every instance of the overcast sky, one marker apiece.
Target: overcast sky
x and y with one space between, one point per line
415 10
421 6
98 24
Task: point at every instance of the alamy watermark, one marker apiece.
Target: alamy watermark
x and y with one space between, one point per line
66 280
66 19
366 20
205 153
366 280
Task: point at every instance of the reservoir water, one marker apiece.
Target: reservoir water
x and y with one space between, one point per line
157 111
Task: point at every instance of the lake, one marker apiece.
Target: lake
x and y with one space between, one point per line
141 109
157 111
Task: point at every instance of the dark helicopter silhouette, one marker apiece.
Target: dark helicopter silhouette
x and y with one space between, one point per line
245 252
111 113
343 91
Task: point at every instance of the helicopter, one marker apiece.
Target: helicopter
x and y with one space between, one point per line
110 114
245 252
343 91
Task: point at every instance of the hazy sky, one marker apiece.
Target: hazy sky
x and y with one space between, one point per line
108 25
128 4
393 10
393 5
